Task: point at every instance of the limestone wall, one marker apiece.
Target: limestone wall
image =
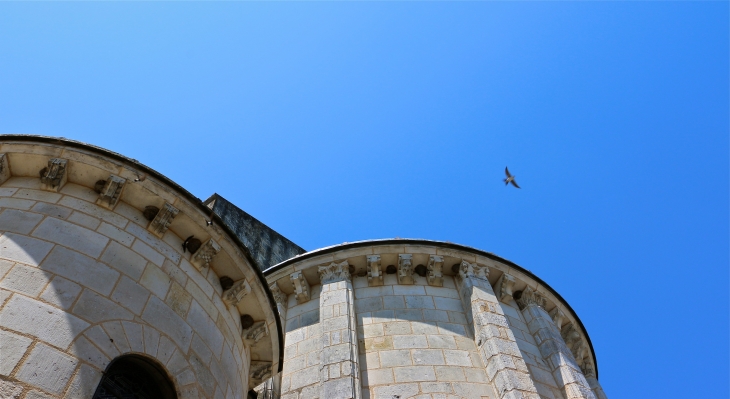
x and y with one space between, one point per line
449 330
83 282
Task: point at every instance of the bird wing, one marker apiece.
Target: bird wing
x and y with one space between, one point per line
514 183
506 171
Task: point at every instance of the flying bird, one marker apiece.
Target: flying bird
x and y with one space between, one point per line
510 178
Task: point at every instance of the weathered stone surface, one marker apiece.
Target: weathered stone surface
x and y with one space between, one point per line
12 348
161 316
81 269
48 369
18 221
83 240
23 249
38 319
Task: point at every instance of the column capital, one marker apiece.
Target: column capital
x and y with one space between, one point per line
530 297
334 272
472 270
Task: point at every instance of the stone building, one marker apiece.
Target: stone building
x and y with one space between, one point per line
116 282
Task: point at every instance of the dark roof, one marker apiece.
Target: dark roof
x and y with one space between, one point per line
266 246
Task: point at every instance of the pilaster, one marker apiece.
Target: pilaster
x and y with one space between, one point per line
506 369
553 349
339 371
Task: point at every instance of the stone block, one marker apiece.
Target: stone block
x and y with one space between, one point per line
448 304
397 328
115 233
161 316
133 331
450 373
16 203
409 314
23 249
305 377
84 383
12 348
419 302
457 358
81 269
372 377
83 240
83 349
38 319
155 280
19 221
131 295
84 220
94 210
437 315
424 357
25 279
441 341
47 368
409 342
96 308
394 391
414 374
151 340
395 358
205 327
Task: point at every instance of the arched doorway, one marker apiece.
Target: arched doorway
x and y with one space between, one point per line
135 377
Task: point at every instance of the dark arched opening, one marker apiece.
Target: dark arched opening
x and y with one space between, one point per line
135 377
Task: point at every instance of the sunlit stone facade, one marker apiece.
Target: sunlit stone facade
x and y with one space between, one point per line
107 267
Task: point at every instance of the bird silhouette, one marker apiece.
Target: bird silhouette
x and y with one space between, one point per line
510 178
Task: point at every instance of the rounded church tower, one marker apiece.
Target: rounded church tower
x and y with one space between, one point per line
115 281
423 319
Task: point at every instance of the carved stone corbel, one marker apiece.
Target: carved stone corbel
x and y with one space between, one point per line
255 333
531 297
588 369
472 270
4 168
54 176
375 274
405 269
259 372
334 272
203 256
558 317
503 289
111 192
573 341
236 293
159 225
435 267
301 287
279 296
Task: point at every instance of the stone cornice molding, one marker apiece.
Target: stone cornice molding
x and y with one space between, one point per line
301 287
375 273
531 297
405 269
435 267
334 272
503 288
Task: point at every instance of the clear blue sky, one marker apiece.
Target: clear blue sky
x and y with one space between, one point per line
336 122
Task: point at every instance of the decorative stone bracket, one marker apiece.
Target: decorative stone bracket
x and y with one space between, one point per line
334 272
203 256
375 273
503 289
574 342
159 225
111 192
4 168
435 267
54 176
558 317
301 287
259 372
405 269
255 333
279 296
236 293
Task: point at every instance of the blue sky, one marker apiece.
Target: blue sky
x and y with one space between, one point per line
335 122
